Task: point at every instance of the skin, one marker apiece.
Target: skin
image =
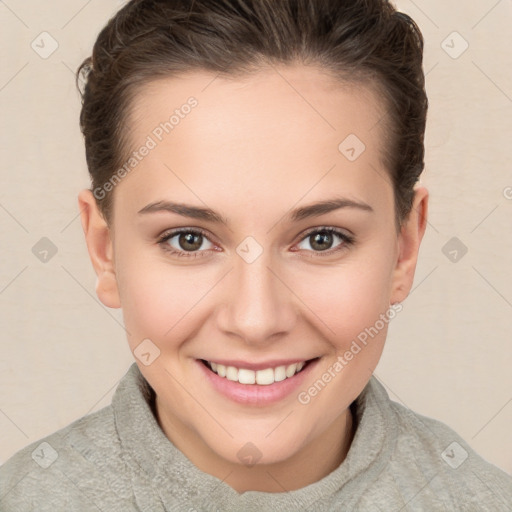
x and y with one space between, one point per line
253 150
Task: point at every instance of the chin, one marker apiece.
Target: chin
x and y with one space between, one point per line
264 449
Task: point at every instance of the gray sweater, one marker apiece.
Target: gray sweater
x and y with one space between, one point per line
118 459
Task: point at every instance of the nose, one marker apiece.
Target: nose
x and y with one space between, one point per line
260 306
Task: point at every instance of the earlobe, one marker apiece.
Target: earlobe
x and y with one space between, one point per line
100 247
409 242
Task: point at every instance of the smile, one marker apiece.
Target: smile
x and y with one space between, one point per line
262 377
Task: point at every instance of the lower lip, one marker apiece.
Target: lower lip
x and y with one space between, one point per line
255 394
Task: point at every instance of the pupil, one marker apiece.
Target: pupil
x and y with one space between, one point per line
188 238
320 239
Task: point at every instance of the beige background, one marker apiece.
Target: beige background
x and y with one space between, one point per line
448 354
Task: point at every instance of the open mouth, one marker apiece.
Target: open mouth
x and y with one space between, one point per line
264 377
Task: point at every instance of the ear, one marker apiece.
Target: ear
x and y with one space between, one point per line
100 247
409 241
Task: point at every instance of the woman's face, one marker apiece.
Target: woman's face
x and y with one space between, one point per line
256 280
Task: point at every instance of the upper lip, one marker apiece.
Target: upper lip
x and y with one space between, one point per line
273 363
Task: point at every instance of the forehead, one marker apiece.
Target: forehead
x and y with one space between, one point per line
267 100
279 131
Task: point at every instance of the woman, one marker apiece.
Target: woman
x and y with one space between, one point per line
255 211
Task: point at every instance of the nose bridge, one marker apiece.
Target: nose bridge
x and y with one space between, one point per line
259 303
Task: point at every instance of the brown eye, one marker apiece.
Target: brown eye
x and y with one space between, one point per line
321 241
324 239
190 241
181 242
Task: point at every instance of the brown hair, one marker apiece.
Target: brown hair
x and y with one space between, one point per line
358 41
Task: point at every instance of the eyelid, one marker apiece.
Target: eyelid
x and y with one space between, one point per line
348 240
171 233
310 231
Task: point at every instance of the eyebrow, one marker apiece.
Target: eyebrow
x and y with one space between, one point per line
206 214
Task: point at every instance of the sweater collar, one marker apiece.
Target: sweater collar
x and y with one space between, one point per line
176 479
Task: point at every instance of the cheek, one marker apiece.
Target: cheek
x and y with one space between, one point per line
159 299
348 298
352 310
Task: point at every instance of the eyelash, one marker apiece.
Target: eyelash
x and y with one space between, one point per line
346 239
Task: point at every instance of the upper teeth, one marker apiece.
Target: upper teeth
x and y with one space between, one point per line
262 377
